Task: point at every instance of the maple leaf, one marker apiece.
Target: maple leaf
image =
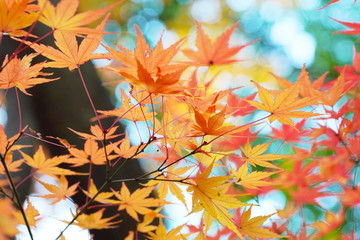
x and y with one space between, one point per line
211 123
130 111
137 202
103 197
70 54
239 106
150 59
10 219
167 185
145 226
63 17
162 234
91 153
95 220
253 179
208 193
303 82
331 223
32 214
337 91
282 105
308 195
290 134
158 84
252 227
12 166
350 197
61 192
98 133
125 150
214 53
15 16
48 166
8 146
255 156
19 73
355 27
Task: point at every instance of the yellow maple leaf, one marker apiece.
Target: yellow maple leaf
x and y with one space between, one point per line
252 227
145 226
103 197
209 193
167 185
63 17
98 133
61 192
255 156
95 220
162 234
251 180
15 16
48 166
282 105
138 202
70 54
32 214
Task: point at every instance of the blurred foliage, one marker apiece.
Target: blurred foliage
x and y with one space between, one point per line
258 21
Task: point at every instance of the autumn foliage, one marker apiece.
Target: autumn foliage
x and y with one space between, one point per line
203 142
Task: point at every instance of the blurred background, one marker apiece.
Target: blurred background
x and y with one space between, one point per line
291 32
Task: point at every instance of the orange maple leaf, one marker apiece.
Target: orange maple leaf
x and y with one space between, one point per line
70 54
137 202
95 220
150 59
61 192
210 123
156 84
32 214
91 154
18 73
98 133
337 91
47 166
304 82
15 16
282 105
125 150
214 53
130 111
63 17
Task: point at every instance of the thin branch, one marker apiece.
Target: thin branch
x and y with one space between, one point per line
13 187
89 97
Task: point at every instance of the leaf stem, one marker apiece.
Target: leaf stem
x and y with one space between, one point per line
19 108
89 97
